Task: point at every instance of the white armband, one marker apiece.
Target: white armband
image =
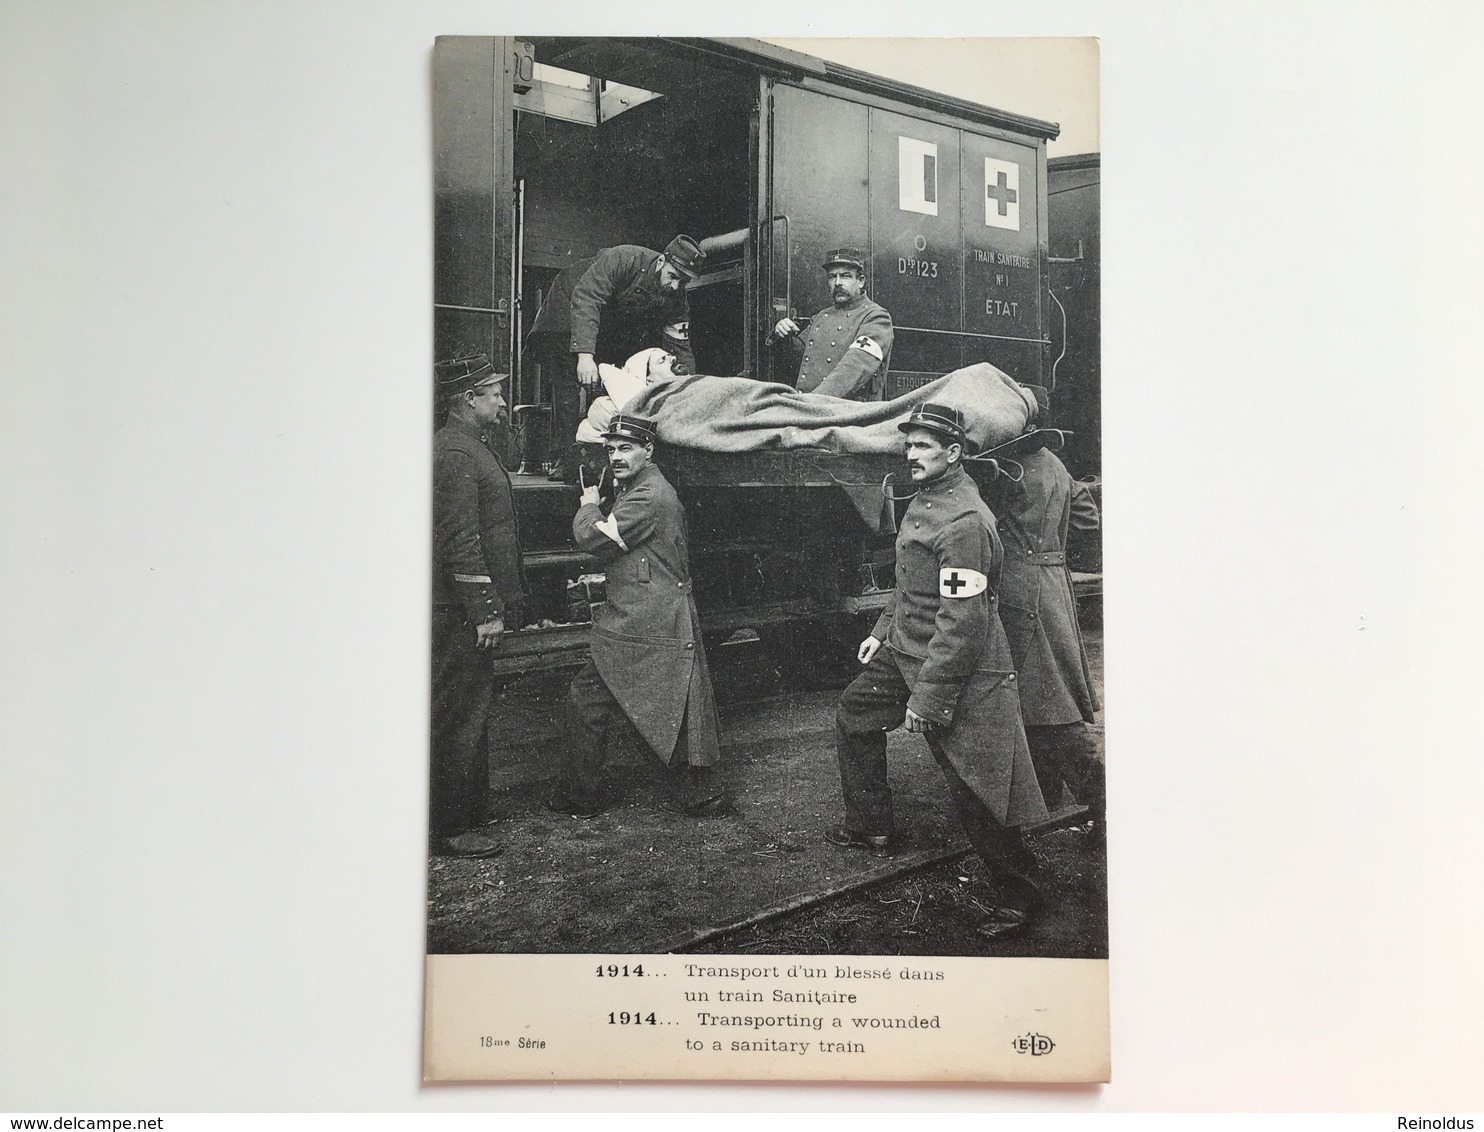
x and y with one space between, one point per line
959 581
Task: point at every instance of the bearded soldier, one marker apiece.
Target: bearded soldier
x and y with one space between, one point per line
477 585
625 299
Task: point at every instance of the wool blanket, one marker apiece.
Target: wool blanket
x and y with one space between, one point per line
739 414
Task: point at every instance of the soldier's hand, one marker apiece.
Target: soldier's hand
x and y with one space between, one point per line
489 633
587 371
867 650
589 490
786 328
917 724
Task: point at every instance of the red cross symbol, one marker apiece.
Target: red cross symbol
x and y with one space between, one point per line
955 583
1001 193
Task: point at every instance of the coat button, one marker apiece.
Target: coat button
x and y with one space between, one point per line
929 506
689 645
915 523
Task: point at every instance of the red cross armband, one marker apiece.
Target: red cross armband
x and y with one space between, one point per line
959 581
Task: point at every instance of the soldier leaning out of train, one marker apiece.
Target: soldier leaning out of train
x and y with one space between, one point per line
938 659
647 663
604 309
846 350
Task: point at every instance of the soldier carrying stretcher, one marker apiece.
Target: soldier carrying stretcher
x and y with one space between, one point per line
1039 611
647 662
938 657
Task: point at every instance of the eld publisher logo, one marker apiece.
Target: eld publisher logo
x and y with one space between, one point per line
1037 1045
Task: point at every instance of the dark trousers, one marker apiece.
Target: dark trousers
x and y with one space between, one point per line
593 717
463 688
1064 753
559 374
875 703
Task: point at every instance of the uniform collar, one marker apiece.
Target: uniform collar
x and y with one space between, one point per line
461 425
952 479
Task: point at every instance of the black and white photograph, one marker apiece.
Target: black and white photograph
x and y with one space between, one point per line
766 552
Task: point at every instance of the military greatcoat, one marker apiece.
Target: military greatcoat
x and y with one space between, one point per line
646 639
476 577
846 351
476 546
1037 606
951 649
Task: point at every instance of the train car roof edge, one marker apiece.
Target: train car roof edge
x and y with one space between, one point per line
1074 161
771 57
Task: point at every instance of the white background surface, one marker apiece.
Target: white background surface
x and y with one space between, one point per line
214 295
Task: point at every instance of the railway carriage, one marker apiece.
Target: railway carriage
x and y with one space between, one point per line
547 149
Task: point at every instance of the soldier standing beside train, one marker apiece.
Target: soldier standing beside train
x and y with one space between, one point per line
847 348
625 299
476 580
939 656
1039 612
647 660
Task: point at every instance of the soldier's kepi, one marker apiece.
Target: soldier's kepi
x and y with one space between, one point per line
938 657
648 662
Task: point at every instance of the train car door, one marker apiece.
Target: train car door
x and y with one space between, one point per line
813 195
916 243
1005 278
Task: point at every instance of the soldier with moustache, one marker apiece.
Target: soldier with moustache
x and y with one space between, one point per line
476 580
846 351
938 659
1039 610
625 299
647 663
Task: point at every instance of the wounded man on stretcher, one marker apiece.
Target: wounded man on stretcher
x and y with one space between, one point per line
740 414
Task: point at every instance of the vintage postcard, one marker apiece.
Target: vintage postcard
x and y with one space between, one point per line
767 695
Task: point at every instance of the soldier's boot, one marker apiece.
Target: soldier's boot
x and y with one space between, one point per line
696 792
